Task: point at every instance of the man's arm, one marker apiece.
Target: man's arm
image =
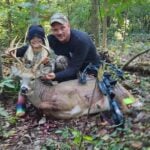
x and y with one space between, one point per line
77 60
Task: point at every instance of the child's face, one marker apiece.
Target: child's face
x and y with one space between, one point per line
35 42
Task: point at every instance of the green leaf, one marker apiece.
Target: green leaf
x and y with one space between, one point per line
9 133
9 85
26 4
88 138
128 100
76 133
43 148
3 112
59 132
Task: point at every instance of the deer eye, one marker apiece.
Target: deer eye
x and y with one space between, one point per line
32 79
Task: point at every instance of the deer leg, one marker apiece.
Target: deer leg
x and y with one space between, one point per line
20 106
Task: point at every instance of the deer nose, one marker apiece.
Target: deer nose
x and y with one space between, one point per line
24 90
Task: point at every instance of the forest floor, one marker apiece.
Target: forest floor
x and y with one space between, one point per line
35 132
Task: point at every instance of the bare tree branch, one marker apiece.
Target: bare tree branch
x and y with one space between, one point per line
128 62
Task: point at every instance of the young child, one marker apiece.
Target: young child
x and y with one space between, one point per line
31 53
33 50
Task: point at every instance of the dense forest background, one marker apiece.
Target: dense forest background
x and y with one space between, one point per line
119 27
104 20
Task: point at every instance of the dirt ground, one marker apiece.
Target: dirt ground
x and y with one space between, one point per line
35 132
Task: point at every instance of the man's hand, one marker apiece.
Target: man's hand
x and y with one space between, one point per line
45 61
49 76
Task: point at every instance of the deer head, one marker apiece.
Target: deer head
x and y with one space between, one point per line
26 71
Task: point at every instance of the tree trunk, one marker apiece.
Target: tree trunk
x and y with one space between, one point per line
1 74
34 13
104 27
94 21
9 21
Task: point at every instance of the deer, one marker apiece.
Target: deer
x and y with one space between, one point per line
65 100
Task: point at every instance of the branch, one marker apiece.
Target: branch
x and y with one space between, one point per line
128 62
139 69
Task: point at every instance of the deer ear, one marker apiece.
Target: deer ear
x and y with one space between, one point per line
15 71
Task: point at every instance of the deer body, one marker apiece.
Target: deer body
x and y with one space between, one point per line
71 99
67 99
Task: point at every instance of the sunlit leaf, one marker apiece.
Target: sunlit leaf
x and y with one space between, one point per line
88 138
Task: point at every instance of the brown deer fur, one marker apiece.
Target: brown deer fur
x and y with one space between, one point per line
71 99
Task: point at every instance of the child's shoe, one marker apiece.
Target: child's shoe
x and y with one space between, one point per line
20 107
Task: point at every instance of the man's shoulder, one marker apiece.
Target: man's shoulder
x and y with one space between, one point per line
78 33
80 36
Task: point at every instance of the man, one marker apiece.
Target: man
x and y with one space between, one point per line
73 44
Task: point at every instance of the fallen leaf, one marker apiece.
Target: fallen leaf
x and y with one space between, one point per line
106 137
42 121
102 132
136 144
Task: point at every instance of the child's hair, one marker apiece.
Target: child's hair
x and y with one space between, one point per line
36 31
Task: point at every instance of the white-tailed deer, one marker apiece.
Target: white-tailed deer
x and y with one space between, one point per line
66 99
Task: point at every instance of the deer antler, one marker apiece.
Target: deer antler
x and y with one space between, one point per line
46 46
11 47
48 51
12 50
26 34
